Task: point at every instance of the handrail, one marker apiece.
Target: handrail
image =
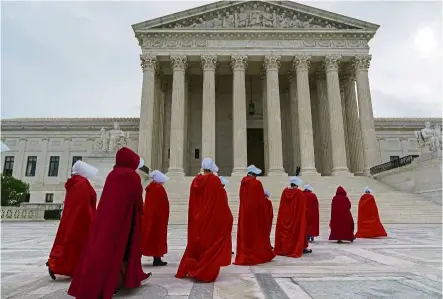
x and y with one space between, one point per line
393 164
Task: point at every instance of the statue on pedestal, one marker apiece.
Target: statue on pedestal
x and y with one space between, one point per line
112 140
428 139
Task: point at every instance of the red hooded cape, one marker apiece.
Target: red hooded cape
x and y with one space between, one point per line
313 214
209 230
78 213
115 235
290 232
270 210
155 221
253 244
368 223
342 223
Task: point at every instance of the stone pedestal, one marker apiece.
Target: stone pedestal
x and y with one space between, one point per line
427 176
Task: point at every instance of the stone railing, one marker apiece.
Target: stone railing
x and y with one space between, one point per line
22 214
393 164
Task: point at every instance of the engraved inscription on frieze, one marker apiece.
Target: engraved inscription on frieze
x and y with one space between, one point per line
256 15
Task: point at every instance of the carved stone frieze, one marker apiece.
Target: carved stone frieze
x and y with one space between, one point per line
256 15
301 62
208 62
239 62
271 62
148 62
332 62
179 62
361 62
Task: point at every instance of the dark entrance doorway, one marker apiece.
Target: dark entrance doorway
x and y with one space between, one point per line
256 148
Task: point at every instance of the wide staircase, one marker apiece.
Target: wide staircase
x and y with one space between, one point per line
393 206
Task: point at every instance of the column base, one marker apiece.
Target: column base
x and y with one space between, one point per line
341 171
175 173
276 172
366 172
239 172
359 173
309 172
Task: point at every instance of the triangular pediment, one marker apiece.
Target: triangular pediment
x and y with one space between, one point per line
246 15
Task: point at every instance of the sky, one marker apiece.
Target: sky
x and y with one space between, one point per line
81 59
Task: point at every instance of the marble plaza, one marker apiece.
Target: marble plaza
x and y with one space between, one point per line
405 265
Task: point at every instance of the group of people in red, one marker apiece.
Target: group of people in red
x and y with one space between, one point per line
101 248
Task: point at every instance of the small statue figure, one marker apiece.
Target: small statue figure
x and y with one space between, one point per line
429 138
229 21
268 18
242 18
112 140
103 141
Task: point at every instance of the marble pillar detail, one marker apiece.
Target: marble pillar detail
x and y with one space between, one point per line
353 124
336 128
177 142
361 65
239 64
208 63
20 170
265 119
324 123
156 149
293 104
271 64
343 112
145 144
301 64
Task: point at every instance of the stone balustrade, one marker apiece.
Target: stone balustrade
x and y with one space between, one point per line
22 214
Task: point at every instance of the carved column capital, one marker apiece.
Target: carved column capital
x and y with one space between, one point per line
148 62
179 62
272 62
361 62
332 62
301 62
208 62
239 62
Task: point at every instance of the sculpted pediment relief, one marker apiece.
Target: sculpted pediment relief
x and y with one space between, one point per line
253 15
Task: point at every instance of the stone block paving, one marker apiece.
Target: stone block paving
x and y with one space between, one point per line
407 264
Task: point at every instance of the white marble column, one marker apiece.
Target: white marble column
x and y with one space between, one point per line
345 126
157 144
353 125
323 117
177 143
21 162
65 161
208 63
301 65
293 104
275 151
335 116
265 120
42 165
361 64
145 144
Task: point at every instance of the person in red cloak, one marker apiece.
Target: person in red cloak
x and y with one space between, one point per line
78 213
224 183
270 210
155 219
253 244
111 258
210 222
313 214
342 223
368 222
290 231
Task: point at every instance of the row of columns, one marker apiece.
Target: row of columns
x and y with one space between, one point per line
341 126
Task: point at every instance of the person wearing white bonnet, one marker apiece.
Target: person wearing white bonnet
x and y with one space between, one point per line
313 213
290 231
78 214
208 166
253 170
368 222
154 241
367 190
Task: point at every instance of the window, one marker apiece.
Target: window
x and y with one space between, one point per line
49 197
75 159
31 166
9 165
197 154
393 158
53 165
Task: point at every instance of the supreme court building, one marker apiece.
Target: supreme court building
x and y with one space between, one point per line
272 83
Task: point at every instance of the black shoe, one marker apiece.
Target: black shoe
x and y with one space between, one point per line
158 262
50 272
307 250
339 241
232 252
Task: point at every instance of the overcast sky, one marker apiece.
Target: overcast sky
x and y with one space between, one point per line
80 59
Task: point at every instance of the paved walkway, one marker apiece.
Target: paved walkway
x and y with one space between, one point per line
405 265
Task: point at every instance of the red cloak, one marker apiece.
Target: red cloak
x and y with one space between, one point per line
270 210
290 232
253 244
209 230
368 222
114 239
78 213
155 221
342 223
313 214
